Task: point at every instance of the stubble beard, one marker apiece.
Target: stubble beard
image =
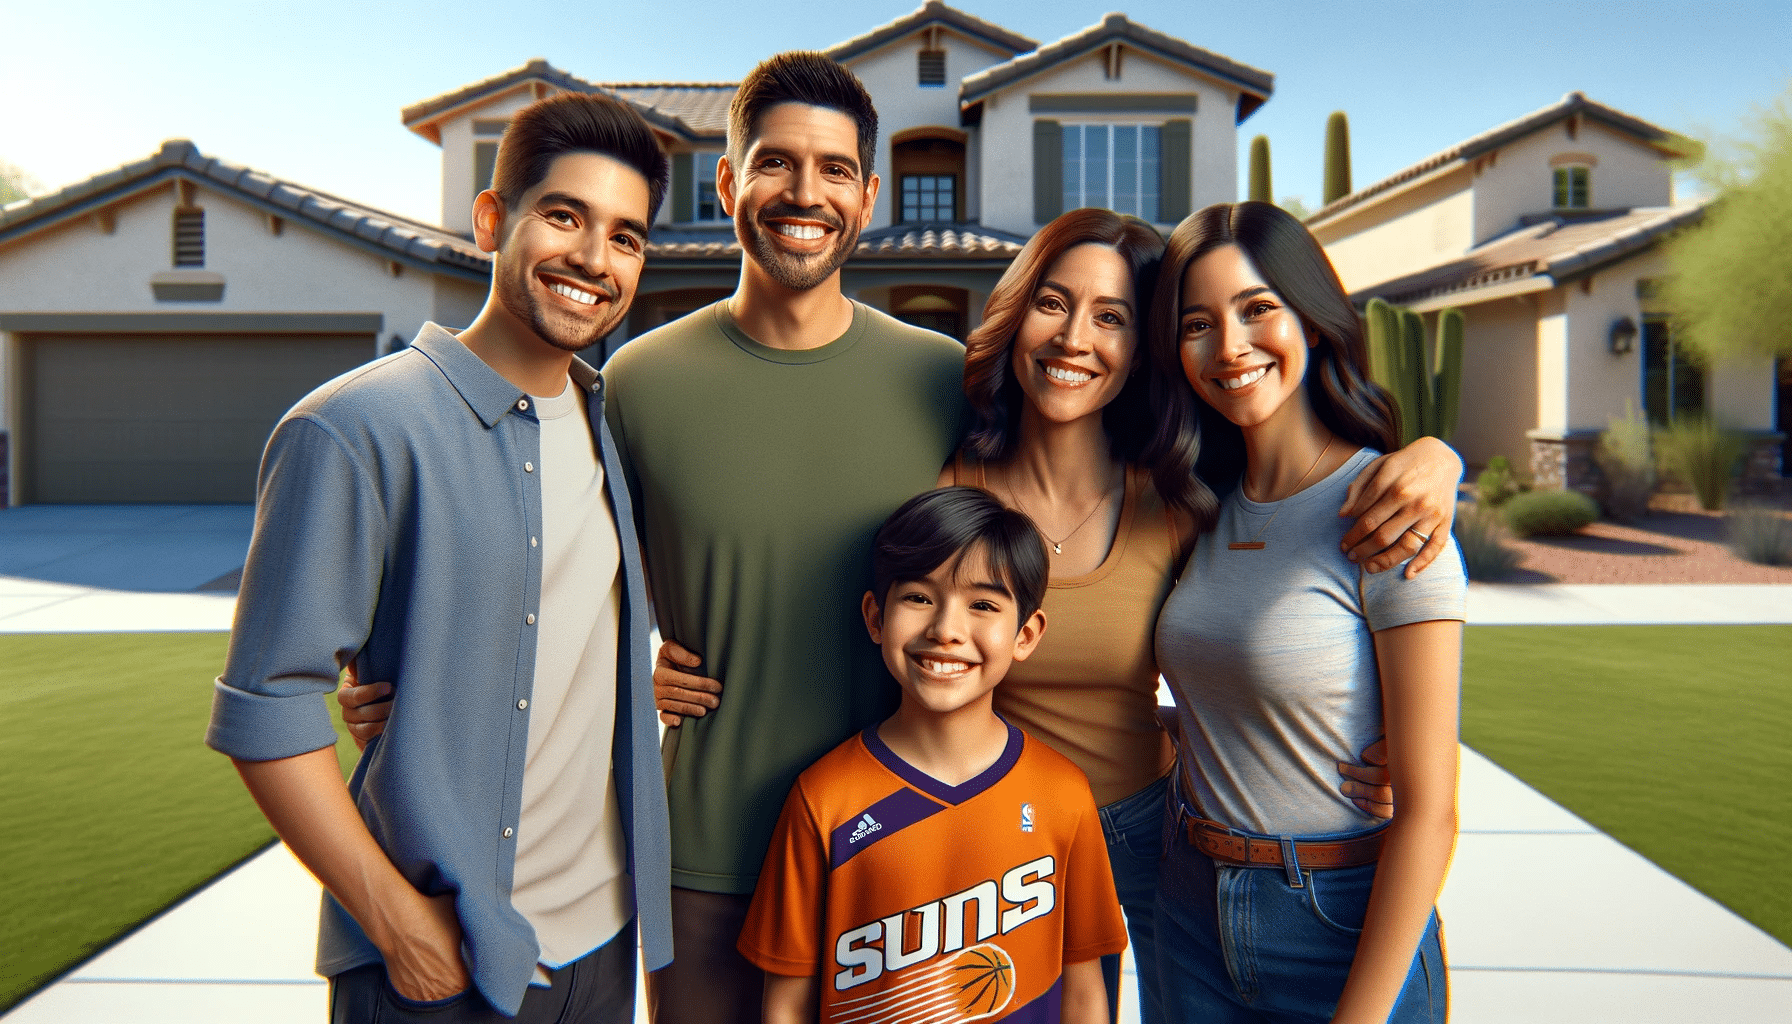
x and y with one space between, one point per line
522 304
791 271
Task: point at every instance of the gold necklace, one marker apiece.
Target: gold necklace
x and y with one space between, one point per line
1256 543
1058 545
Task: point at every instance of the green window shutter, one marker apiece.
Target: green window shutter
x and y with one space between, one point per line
1048 170
1177 182
683 194
485 158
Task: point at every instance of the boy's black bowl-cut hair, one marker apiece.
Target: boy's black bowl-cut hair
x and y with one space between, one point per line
934 528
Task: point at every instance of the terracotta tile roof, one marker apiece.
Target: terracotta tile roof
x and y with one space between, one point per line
901 241
1494 138
385 233
1556 247
931 12
1255 83
420 117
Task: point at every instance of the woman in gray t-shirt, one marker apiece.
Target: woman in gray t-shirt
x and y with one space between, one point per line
1279 898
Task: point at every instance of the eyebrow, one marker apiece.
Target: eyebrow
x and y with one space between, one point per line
1111 300
583 209
1255 289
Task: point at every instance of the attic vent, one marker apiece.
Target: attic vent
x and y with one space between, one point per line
189 238
931 69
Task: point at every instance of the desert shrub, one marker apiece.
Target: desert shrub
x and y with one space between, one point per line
1548 513
1760 534
1481 534
1702 455
1625 456
1495 484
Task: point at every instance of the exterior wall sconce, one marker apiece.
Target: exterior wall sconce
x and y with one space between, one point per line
1623 335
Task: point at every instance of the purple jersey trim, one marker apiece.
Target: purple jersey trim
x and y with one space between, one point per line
933 787
881 820
1047 1009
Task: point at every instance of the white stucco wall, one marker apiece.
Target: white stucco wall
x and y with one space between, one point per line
1624 173
1499 380
457 156
1007 131
298 271
890 76
1408 232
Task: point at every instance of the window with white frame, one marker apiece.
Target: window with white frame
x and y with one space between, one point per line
1112 165
1574 187
706 206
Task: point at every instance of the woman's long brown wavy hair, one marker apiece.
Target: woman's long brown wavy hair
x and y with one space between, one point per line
1192 444
989 383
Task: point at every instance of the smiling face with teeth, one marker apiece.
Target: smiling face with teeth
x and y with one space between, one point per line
1079 339
1243 349
568 255
799 197
949 637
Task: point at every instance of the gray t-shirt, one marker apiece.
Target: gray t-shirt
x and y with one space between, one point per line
1272 662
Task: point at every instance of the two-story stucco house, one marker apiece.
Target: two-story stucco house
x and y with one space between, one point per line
157 319
1546 232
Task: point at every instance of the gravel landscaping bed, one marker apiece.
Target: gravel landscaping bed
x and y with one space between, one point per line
1678 542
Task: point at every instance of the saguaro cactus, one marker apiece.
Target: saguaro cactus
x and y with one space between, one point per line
1426 381
1337 156
1260 186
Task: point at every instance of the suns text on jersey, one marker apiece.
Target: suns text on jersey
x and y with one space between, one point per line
875 948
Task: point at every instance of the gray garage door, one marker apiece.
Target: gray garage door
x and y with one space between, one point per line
160 418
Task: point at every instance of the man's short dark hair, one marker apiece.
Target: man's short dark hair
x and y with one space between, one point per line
810 78
934 528
574 122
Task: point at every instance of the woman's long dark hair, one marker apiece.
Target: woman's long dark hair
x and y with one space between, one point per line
989 383
1193 443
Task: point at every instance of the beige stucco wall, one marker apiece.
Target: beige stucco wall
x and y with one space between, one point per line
457 157
1742 393
1552 361
1007 132
1600 383
1408 232
1624 173
889 74
1499 380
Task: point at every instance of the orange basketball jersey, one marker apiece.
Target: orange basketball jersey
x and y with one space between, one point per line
914 900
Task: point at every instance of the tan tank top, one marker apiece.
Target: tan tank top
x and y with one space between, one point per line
1090 690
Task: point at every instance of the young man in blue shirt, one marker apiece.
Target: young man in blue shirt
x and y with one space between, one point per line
453 518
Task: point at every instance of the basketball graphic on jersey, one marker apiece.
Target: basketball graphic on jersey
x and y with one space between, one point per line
975 983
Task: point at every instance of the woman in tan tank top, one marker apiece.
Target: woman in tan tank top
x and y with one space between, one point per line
1057 378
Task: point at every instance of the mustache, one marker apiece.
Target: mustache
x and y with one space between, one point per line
774 211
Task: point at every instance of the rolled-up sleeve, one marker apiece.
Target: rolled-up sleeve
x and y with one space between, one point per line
308 594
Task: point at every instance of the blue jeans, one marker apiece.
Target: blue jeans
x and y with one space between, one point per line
1134 829
1238 944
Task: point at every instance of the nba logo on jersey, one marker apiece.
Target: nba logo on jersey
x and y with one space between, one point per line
1026 817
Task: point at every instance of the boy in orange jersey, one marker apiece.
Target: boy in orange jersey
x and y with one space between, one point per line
941 865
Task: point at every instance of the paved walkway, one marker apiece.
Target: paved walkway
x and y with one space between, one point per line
1547 919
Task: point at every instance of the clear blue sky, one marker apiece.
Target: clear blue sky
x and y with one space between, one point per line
311 92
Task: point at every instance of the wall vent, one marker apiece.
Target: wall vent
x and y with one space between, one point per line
189 238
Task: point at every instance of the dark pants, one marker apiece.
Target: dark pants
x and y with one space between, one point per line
708 981
597 988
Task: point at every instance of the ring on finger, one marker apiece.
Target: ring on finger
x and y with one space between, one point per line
1423 537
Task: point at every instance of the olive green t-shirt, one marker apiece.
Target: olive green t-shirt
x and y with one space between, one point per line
759 477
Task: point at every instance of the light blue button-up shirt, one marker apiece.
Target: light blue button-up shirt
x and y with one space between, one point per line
393 522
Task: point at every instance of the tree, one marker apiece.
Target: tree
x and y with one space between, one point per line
15 184
1730 293
1295 206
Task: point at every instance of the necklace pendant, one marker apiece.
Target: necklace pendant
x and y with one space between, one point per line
1057 549
1246 545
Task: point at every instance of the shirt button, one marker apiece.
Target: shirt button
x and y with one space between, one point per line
533 541
523 404
529 618
508 833
528 467
522 704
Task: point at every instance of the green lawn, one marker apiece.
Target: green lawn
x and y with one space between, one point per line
1677 740
113 808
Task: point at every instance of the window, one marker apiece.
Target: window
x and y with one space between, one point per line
930 69
189 238
1112 165
1673 385
706 206
1574 190
929 197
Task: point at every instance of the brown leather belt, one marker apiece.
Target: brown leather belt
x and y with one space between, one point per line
1214 840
